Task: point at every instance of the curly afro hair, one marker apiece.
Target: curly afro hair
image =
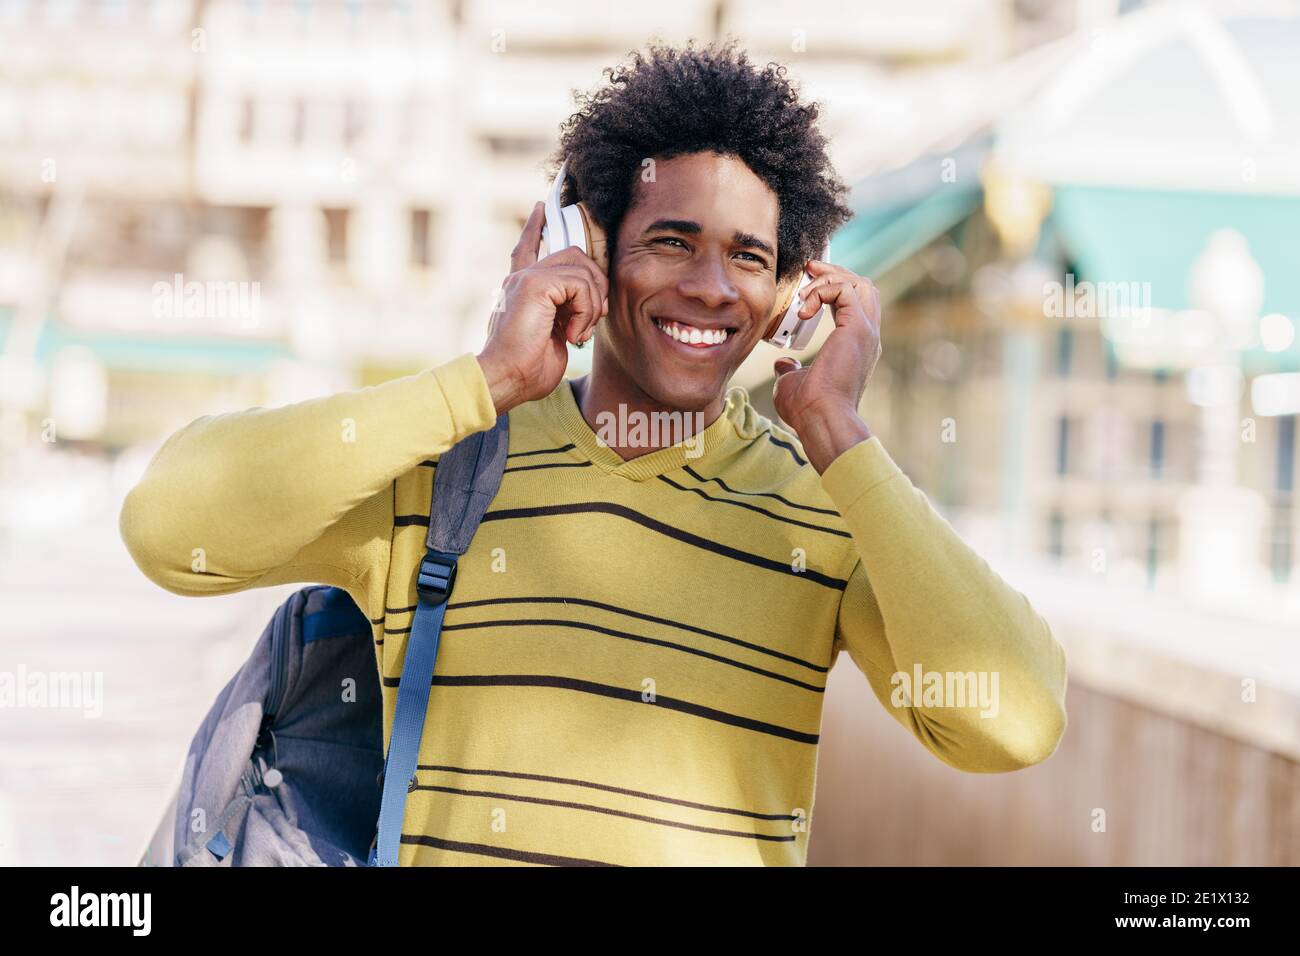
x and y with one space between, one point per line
687 100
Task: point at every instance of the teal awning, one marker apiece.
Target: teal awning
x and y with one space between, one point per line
875 242
217 356
899 212
1114 234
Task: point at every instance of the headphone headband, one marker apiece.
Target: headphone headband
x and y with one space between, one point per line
571 225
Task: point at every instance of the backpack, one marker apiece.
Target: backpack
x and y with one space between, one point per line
287 770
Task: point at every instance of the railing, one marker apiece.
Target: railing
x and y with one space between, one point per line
1182 749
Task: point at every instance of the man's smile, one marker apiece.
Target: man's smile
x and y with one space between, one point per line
698 338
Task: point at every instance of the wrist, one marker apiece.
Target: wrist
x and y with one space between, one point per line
506 389
828 432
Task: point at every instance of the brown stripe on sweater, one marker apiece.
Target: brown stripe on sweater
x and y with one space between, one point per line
624 635
758 494
501 852
604 507
617 693
748 507
587 602
571 805
574 782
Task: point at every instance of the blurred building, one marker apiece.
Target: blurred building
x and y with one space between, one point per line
343 180
211 204
1112 333
207 205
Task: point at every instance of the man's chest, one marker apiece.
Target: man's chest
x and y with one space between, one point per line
640 586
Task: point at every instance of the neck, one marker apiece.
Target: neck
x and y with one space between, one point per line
607 394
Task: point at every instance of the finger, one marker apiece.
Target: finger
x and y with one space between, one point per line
575 296
810 303
839 294
868 295
600 290
815 295
827 270
579 325
584 325
783 367
575 256
600 302
524 253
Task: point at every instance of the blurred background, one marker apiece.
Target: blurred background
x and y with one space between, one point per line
1083 217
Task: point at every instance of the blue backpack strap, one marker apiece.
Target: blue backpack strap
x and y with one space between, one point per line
465 482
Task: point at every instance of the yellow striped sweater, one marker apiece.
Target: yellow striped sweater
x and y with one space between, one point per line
634 658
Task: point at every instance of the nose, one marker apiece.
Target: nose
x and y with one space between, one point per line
705 279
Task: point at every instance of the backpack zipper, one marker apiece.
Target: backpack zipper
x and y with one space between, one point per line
279 676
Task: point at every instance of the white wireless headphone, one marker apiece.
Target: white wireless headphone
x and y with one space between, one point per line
792 332
573 225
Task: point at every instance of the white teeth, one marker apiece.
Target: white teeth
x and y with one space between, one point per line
692 335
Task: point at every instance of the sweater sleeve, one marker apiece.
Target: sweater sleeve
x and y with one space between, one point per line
299 493
919 600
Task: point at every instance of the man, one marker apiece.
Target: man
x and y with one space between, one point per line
633 663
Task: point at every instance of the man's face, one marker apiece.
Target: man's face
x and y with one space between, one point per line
695 257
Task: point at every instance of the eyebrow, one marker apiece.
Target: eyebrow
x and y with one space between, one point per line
691 227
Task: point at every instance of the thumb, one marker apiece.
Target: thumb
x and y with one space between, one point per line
785 364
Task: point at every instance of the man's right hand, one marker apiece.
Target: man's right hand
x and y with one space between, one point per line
544 306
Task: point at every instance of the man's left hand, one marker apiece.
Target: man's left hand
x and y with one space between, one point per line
820 402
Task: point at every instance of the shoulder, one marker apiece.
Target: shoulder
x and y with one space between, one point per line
778 446
772 457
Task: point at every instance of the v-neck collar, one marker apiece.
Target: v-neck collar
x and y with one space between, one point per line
561 411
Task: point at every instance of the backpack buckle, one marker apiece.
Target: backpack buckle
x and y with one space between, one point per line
436 577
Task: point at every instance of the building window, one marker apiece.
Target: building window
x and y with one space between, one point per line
1153 550
1280 543
1285 453
299 122
517 145
351 123
420 253
1280 537
1056 535
1062 445
1112 363
1157 449
247 119
336 221
1064 350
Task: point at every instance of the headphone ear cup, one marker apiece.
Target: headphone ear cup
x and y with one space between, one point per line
597 246
785 292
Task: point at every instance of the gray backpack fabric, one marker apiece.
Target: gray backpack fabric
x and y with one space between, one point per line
287 767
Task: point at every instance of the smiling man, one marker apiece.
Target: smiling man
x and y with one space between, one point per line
633 664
